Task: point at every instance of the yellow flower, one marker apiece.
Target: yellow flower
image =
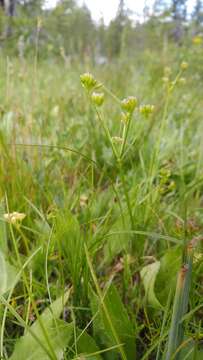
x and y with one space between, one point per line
129 104
88 81
167 71
117 139
14 217
146 110
83 200
197 40
165 79
184 65
182 81
97 98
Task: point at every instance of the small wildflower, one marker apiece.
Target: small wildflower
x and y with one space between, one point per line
129 104
197 40
167 71
15 217
184 65
88 81
182 81
117 139
146 110
173 83
97 98
165 173
165 79
55 111
83 200
172 185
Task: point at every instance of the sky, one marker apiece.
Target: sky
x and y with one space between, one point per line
108 8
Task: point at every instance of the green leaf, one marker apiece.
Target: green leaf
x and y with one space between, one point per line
118 241
58 333
7 274
71 241
86 345
148 275
160 277
119 318
166 278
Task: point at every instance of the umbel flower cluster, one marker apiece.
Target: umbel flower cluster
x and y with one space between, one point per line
128 105
90 83
14 217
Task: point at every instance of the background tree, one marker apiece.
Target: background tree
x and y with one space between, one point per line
115 30
197 14
161 8
8 7
32 7
179 15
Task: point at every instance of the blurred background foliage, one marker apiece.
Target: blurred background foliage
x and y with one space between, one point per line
68 30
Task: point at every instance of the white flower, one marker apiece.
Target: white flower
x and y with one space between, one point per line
14 217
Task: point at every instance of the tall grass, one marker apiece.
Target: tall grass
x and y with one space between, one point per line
105 264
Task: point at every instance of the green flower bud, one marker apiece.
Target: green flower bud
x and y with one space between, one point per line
184 65
146 110
97 98
88 81
172 185
129 104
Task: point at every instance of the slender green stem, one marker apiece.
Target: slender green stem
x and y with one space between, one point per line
126 131
106 130
109 92
125 190
106 312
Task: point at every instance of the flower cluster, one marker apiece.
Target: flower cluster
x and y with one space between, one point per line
184 65
88 81
14 217
97 98
146 110
129 104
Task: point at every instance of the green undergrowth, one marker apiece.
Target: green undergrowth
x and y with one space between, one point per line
101 212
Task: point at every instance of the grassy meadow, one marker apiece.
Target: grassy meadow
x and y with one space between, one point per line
102 207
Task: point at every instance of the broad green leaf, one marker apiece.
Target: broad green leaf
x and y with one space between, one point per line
7 274
160 277
118 241
86 345
58 333
119 319
148 276
166 278
71 241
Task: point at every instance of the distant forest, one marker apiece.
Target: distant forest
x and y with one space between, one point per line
68 29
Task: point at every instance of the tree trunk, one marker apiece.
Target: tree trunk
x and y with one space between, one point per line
9 9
